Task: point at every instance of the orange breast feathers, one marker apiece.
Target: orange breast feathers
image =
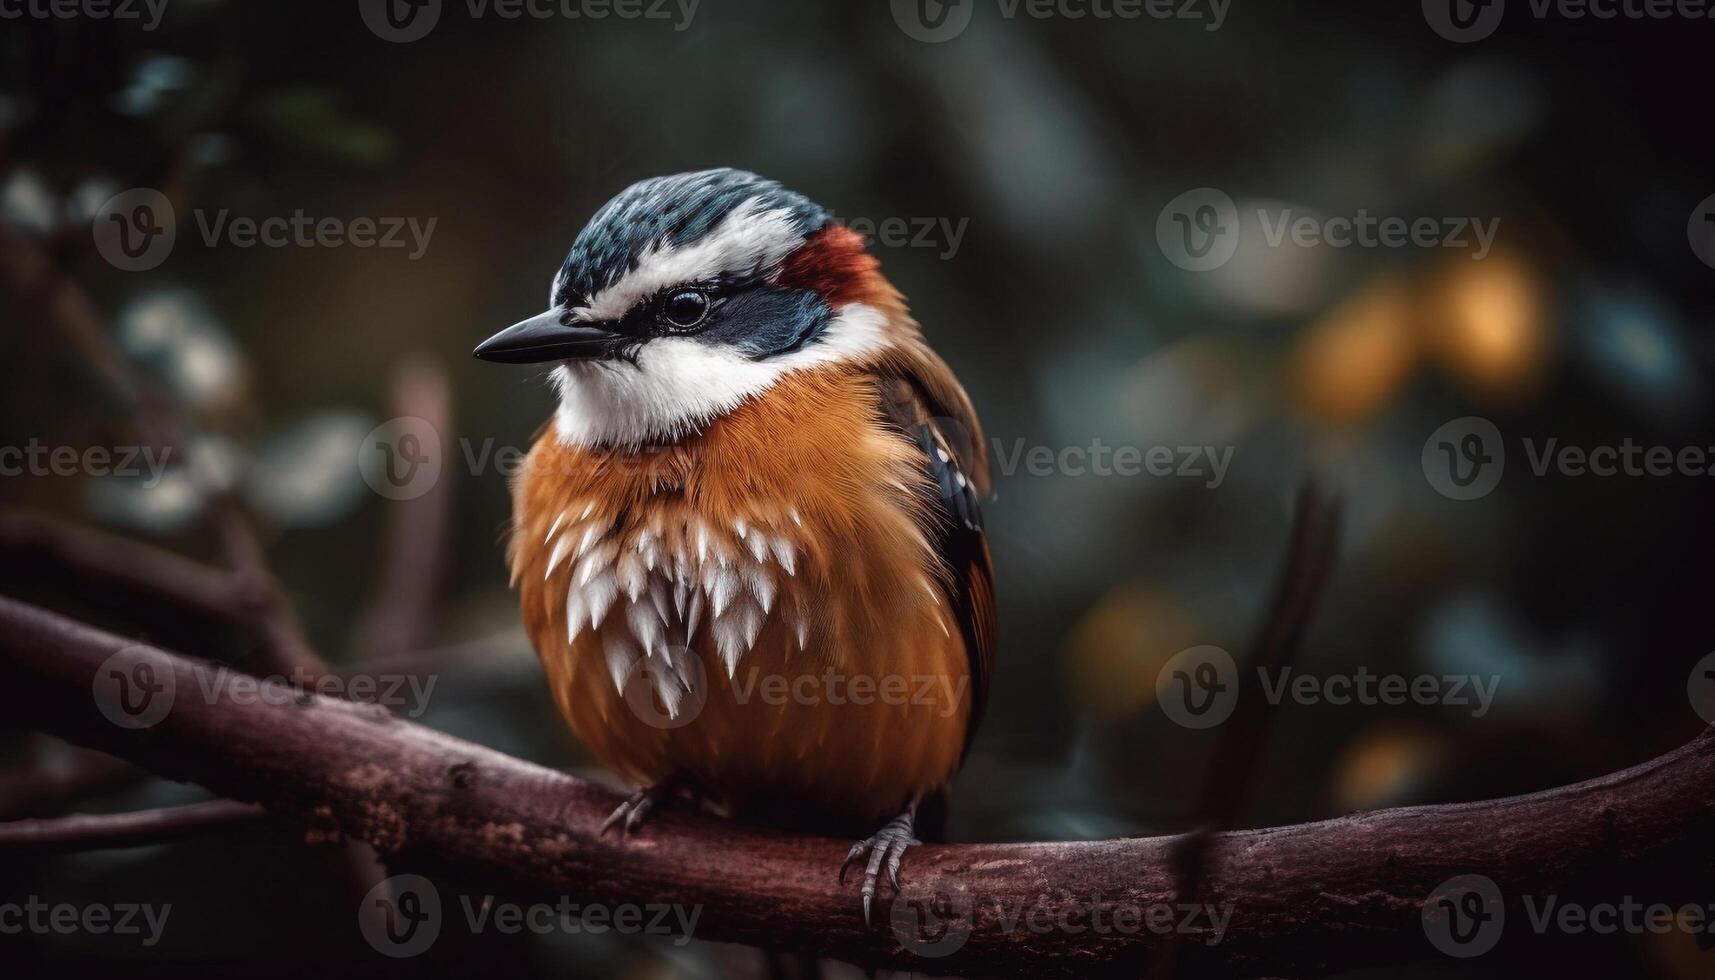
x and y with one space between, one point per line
756 609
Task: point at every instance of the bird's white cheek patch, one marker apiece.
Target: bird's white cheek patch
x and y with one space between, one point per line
679 384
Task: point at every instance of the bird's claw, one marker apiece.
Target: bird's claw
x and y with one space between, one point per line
886 850
632 812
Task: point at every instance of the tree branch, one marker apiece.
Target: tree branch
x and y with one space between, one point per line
37 546
1304 900
49 787
1309 556
85 832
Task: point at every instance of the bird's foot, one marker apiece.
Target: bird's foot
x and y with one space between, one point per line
886 849
630 815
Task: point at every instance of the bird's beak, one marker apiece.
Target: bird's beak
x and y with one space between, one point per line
550 336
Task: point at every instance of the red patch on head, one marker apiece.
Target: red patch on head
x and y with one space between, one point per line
833 264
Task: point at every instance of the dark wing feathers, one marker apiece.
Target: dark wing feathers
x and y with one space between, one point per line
950 440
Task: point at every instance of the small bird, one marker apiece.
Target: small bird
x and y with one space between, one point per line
747 545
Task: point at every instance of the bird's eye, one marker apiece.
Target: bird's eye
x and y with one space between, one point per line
686 308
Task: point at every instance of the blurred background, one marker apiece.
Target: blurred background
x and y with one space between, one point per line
1019 178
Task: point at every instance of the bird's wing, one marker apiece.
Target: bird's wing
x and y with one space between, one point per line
922 398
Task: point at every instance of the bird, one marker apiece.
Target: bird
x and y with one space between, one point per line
747 543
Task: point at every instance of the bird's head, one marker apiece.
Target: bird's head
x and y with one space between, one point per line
686 295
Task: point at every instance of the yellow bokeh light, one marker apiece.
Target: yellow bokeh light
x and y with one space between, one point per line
1382 767
1351 361
1488 324
1111 657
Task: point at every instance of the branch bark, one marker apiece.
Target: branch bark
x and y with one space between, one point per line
1304 900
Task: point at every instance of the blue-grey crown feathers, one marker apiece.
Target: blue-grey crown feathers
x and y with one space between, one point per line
673 210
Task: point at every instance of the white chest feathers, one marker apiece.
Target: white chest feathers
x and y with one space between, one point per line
648 587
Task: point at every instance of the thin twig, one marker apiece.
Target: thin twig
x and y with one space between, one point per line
50 786
1303 573
41 546
401 616
1309 557
89 832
